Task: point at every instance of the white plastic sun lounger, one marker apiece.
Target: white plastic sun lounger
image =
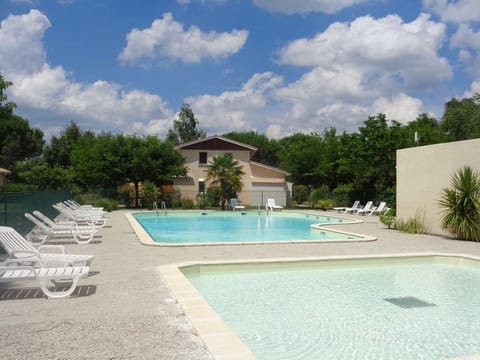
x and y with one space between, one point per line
45 275
76 206
22 252
234 205
80 217
272 206
356 205
366 209
63 224
380 209
42 232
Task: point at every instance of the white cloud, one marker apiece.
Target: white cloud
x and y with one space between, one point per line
21 38
401 108
465 37
39 88
385 50
240 110
457 11
167 39
305 6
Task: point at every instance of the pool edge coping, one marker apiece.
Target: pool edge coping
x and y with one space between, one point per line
146 239
220 340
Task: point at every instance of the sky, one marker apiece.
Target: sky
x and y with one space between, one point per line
273 66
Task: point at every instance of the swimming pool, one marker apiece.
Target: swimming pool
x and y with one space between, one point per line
239 227
422 307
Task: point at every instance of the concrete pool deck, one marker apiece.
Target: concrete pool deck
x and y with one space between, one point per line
124 310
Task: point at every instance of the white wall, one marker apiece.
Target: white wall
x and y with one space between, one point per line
422 173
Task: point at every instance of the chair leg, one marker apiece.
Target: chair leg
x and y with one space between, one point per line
58 294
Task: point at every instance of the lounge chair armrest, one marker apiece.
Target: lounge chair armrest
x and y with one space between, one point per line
17 267
17 253
61 248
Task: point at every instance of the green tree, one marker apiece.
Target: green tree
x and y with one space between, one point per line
148 158
227 172
461 203
18 141
97 162
58 152
302 155
372 154
43 176
461 118
5 107
267 149
428 131
185 127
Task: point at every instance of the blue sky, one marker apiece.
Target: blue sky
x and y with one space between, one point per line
273 66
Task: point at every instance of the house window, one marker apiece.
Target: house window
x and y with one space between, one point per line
202 158
201 185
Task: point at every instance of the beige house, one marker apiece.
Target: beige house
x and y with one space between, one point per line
259 182
422 173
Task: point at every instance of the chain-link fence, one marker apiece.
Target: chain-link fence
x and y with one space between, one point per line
14 205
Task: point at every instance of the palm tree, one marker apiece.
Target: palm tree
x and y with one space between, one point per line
462 205
227 172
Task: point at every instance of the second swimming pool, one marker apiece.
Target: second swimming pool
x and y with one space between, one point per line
239 227
401 308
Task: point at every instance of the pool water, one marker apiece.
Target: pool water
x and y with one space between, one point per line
414 308
219 227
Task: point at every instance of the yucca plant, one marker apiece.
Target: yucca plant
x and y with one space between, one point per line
461 203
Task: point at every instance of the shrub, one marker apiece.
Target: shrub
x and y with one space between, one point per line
201 200
107 204
388 218
214 194
461 203
300 193
324 204
320 193
416 225
187 203
148 194
341 195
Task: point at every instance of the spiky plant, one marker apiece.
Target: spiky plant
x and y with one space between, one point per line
227 172
461 203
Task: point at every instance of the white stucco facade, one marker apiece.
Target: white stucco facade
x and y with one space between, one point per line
422 173
259 181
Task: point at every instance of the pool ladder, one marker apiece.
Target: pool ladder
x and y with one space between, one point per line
163 207
259 208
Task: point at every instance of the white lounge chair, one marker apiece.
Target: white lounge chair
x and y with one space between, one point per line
46 276
366 209
234 205
63 224
356 205
42 232
22 252
381 208
76 206
271 205
80 217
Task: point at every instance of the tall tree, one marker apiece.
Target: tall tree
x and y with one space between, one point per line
148 158
185 127
227 172
58 152
302 155
428 131
461 118
18 141
267 149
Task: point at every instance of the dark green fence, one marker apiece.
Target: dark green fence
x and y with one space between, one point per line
14 205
